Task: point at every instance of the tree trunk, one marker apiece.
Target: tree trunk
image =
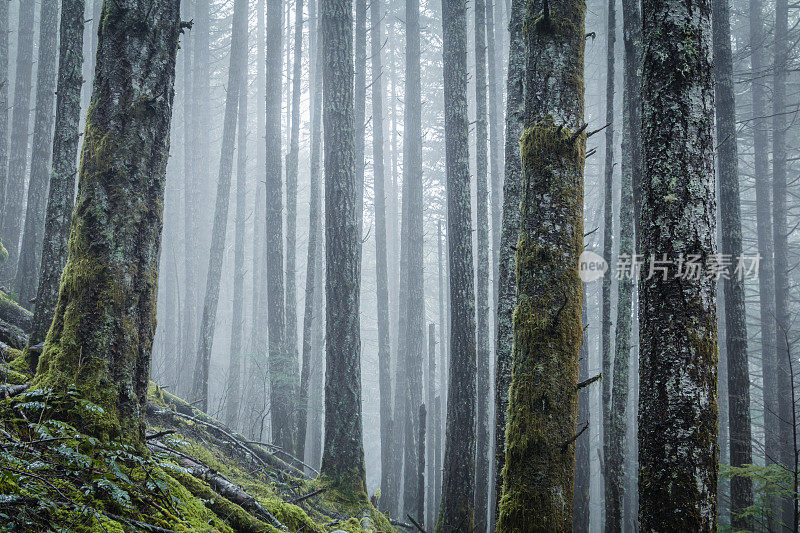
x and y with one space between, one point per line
14 198
677 407
414 210
110 280
443 368
381 267
766 276
238 61
482 273
312 313
420 477
237 318
780 233
291 198
281 369
360 92
512 193
612 516
429 443
458 487
731 244
30 254
343 455
62 179
4 29
580 516
543 406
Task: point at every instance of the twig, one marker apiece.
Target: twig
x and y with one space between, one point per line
160 434
399 523
578 133
306 496
587 382
415 523
598 130
575 437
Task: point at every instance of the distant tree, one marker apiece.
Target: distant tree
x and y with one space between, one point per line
343 455
102 334
62 179
543 400
581 511
30 253
238 59
458 484
4 29
678 332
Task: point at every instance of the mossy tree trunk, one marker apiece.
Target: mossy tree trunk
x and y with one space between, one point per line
458 485
512 192
733 287
238 59
62 180
581 511
13 200
30 253
678 341
101 338
3 105
543 400
343 455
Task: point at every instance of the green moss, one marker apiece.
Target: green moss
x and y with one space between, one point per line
3 253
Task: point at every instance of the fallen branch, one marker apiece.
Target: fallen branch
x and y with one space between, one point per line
9 391
160 434
416 524
400 524
284 452
306 496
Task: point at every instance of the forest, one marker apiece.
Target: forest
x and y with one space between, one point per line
427 266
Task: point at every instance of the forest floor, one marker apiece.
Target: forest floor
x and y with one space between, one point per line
195 475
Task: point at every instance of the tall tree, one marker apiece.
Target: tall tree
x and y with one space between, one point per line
678 341
733 287
482 272
443 366
360 94
608 244
512 193
413 210
581 511
14 198
281 371
430 437
766 277
238 60
30 253
312 312
381 267
237 318
110 280
62 179
780 234
343 455
292 164
4 29
543 401
458 486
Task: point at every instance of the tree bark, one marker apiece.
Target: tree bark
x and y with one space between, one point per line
733 287
14 198
458 486
62 180
421 423
30 253
677 407
110 281
540 435
238 60
429 443
343 455
4 29
512 193
580 516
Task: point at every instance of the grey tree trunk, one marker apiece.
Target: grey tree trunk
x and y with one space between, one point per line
116 227
766 276
443 366
430 437
30 253
282 369
731 243
678 341
420 477
4 29
317 405
238 60
14 198
312 313
580 515
237 319
780 233
343 454
291 197
482 273
458 486
543 407
62 180
611 515
360 94
381 267
512 193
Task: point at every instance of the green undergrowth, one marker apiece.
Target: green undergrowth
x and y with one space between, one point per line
53 477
